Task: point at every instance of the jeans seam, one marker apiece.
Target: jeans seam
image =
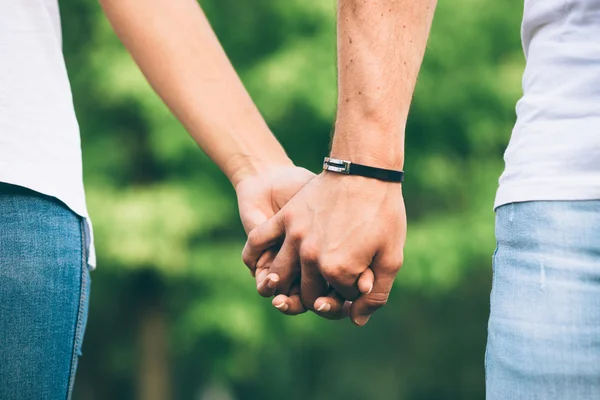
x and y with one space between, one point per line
80 312
494 255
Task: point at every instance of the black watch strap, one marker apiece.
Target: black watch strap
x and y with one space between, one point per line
350 168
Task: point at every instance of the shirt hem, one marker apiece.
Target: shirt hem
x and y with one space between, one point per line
507 194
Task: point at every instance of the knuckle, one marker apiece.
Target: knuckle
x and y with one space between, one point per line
247 259
288 215
400 260
375 301
295 234
394 264
253 239
309 252
335 268
394 267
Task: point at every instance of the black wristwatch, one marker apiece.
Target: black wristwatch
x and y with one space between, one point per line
350 168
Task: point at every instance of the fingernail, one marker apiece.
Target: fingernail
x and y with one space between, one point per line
282 306
370 289
325 307
361 320
273 280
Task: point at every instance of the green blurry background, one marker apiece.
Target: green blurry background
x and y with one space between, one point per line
174 313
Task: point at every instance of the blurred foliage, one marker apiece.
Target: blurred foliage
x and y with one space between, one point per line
169 239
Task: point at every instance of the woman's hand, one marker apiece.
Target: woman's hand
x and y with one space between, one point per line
260 196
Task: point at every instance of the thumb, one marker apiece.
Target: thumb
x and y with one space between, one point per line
365 281
261 238
384 274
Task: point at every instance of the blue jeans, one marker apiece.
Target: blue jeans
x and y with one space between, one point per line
44 289
544 327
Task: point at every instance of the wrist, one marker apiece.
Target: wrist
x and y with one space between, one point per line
243 166
371 144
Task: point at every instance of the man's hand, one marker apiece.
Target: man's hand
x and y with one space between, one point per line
335 228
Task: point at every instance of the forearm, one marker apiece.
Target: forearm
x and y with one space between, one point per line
380 49
178 52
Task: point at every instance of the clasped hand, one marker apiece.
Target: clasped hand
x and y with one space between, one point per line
332 244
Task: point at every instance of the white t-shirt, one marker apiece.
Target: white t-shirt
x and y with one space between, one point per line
554 152
39 135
